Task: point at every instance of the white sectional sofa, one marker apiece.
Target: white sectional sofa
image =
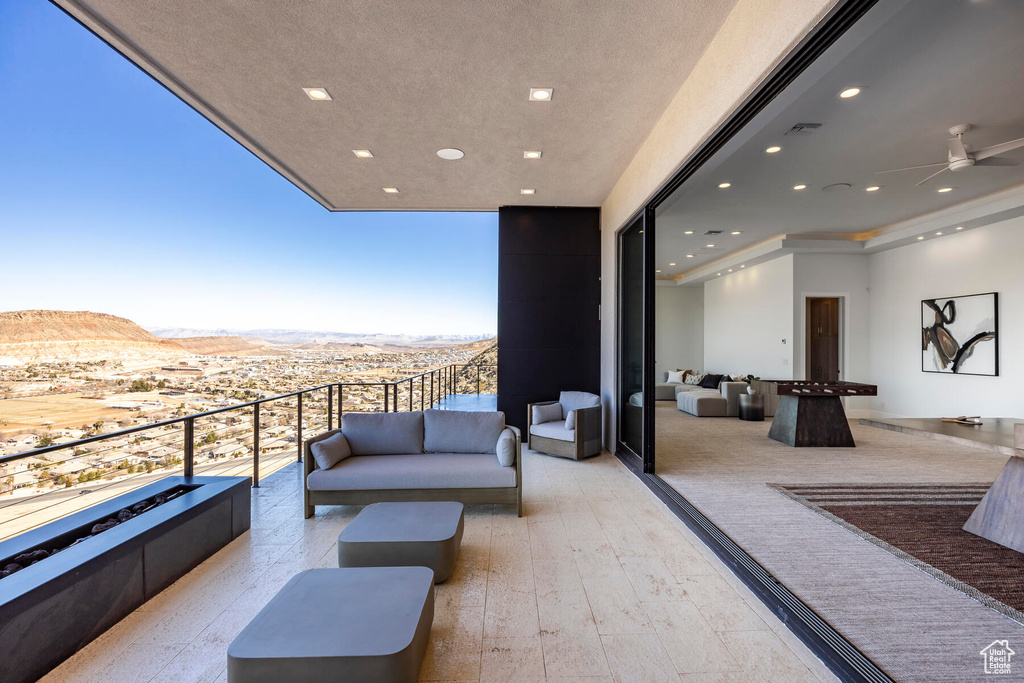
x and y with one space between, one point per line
469 457
721 402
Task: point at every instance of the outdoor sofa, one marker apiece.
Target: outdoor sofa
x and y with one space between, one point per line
468 457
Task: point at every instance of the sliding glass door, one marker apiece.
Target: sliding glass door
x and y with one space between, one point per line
634 299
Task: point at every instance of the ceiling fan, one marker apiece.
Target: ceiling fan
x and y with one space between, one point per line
961 155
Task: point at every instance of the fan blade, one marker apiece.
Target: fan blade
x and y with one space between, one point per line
997 161
998 149
913 168
930 177
956 148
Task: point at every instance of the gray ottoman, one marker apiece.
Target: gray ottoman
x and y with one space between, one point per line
362 624
404 535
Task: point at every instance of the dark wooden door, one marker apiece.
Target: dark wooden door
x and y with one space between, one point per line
823 339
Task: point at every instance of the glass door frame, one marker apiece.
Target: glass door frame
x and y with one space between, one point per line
644 219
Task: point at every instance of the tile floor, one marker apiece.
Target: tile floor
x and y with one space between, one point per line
596 582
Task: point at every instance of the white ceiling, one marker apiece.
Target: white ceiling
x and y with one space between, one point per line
411 77
924 66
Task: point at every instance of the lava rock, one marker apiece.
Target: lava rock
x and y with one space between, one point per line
124 515
26 559
103 526
139 507
160 498
11 568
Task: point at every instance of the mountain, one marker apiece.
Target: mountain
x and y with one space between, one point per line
279 336
86 336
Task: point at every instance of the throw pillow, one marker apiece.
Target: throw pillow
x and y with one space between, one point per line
570 420
506 448
711 381
330 451
694 378
548 413
676 377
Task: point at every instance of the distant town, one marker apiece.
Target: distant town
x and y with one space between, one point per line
49 402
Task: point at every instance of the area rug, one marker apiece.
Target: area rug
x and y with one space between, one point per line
921 524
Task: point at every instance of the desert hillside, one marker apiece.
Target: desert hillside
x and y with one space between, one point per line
18 327
224 346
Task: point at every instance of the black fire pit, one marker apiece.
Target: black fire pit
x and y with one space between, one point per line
87 571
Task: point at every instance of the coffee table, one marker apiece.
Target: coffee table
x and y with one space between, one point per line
356 624
424 534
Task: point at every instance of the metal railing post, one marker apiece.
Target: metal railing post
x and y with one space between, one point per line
298 433
423 393
477 380
410 395
394 397
432 388
387 398
256 446
341 402
330 407
190 446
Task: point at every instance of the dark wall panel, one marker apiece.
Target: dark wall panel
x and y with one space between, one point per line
549 293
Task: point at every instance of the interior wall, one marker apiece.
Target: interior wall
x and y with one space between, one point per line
678 329
748 321
549 265
982 260
757 35
839 275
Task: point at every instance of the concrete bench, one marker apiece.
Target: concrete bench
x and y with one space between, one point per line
356 624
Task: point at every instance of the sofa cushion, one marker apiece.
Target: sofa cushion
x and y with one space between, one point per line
383 433
711 381
436 471
330 451
546 413
571 400
554 430
453 431
506 448
676 377
694 378
702 403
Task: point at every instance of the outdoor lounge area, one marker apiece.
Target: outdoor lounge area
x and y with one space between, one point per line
597 581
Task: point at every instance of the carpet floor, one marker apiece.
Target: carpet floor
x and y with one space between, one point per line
922 524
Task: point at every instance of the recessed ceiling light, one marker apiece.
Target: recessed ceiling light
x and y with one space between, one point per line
873 188
540 94
689 256
773 149
743 266
711 246
363 153
450 154
849 92
920 237
730 270
688 232
317 94
657 271
799 187
535 154
938 233
391 190
737 232
959 227
944 189
719 274
671 264
724 185
527 190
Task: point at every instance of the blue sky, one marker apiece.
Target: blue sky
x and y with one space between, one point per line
116 197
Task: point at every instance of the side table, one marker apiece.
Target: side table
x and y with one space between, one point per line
752 407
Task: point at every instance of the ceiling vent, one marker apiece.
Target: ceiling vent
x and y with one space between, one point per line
713 232
803 129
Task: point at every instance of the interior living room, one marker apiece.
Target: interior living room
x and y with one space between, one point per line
835 238
750 254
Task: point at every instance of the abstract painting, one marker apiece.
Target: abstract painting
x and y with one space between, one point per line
959 335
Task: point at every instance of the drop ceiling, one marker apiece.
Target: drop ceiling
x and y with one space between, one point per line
923 67
408 78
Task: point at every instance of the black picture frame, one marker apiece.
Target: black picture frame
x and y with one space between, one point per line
963 347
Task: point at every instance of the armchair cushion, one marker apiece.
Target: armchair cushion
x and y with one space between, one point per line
571 400
506 448
553 430
330 451
546 413
449 431
570 420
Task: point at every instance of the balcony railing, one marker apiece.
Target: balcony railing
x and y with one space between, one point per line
256 438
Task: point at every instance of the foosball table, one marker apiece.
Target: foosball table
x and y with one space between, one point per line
811 413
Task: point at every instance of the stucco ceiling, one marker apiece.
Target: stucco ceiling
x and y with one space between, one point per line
923 66
410 77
